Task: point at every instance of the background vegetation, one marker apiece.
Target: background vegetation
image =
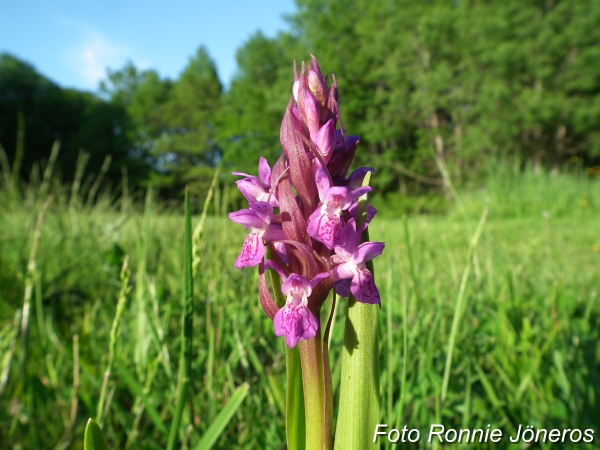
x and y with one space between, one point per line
425 85
461 106
526 350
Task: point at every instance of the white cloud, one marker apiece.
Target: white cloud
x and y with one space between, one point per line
95 53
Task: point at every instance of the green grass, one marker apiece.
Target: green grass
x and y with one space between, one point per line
526 348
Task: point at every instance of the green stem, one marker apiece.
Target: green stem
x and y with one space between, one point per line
315 383
294 401
295 422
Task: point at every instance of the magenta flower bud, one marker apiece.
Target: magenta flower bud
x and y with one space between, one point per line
318 87
313 82
326 140
295 88
317 82
311 108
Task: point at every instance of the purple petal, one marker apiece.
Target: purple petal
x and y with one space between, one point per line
253 251
274 233
342 287
360 191
253 190
367 251
371 211
340 257
342 157
348 239
338 198
280 247
343 271
297 283
363 287
264 171
241 174
324 228
295 323
318 278
351 141
263 209
357 176
270 264
247 218
323 183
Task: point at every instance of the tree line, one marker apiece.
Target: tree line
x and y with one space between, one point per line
436 89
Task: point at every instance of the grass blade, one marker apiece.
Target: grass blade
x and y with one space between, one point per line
185 361
223 418
138 391
459 302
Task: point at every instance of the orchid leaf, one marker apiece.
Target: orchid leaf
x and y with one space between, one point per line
359 389
93 438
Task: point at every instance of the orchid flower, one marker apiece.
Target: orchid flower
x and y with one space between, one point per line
325 224
258 220
257 188
352 275
295 321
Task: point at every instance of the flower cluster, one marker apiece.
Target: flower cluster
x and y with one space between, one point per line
304 210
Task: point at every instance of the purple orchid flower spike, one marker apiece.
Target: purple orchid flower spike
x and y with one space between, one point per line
352 275
258 220
295 321
306 212
325 223
257 188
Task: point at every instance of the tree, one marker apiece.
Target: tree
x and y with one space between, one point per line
249 121
80 120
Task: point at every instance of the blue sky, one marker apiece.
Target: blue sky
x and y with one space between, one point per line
72 42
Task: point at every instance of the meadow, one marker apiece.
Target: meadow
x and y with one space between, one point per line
512 295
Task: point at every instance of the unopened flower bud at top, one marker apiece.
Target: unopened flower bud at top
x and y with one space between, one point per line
326 140
311 109
318 87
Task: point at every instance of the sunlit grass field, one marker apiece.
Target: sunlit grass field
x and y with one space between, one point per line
526 349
